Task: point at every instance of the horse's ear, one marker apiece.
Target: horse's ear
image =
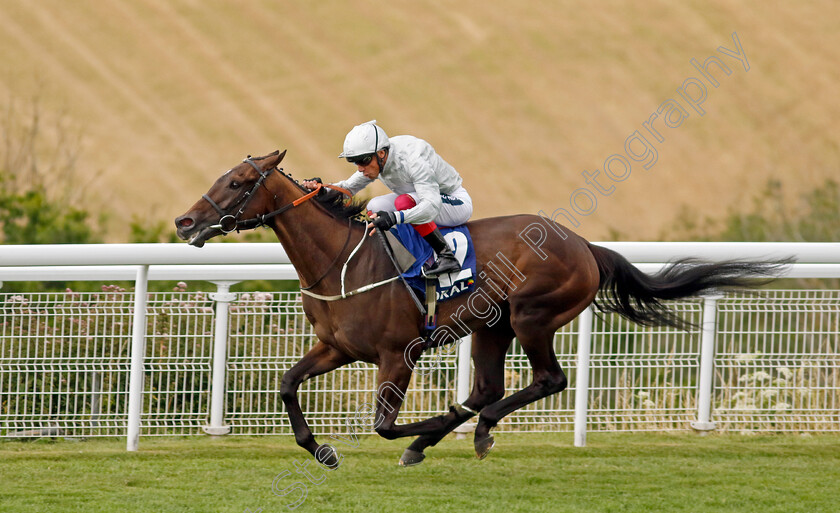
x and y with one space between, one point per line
274 158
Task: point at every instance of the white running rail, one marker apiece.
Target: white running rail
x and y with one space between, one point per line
735 367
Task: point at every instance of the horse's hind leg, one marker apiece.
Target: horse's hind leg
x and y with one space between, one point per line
394 375
548 379
488 353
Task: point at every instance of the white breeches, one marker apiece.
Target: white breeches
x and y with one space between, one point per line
455 208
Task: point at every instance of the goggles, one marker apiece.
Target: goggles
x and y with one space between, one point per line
361 160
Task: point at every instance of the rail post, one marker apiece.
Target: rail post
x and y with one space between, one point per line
707 360
464 368
138 353
223 297
462 390
582 375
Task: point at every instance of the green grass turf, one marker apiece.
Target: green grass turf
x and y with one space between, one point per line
524 472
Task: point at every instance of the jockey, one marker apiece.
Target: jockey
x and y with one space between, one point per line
426 190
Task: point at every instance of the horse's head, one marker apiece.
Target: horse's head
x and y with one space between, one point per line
237 195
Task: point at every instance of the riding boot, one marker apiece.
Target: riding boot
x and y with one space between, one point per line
446 261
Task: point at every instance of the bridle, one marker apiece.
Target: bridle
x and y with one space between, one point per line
231 222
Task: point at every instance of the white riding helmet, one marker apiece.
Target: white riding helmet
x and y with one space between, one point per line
364 139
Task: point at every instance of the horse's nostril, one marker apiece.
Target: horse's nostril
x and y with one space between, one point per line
185 222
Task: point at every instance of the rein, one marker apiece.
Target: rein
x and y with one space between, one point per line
329 267
345 295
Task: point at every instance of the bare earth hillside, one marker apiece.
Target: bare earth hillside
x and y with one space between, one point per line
541 106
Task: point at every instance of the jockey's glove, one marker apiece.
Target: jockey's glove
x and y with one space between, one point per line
316 179
384 220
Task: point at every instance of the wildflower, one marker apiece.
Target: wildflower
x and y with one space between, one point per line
643 395
647 403
747 357
784 371
744 406
757 376
761 376
769 394
181 285
781 407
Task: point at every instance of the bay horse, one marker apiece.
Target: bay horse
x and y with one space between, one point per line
533 277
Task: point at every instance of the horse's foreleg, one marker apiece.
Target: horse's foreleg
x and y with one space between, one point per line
319 360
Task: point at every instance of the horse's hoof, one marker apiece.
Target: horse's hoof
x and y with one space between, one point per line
483 446
327 456
411 458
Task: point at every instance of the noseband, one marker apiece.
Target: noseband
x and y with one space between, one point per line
231 222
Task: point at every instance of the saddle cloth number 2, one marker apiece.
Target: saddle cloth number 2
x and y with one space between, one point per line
458 242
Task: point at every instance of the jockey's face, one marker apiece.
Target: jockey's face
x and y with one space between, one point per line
371 169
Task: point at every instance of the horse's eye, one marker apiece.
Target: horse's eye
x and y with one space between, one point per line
235 185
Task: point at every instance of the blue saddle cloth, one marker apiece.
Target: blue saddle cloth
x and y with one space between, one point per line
449 285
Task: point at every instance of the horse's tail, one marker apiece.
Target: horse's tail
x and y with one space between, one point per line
637 296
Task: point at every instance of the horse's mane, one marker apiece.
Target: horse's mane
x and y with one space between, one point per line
334 202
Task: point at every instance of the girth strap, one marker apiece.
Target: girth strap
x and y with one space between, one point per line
431 304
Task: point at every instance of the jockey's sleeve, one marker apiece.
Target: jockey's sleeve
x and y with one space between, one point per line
428 190
355 183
